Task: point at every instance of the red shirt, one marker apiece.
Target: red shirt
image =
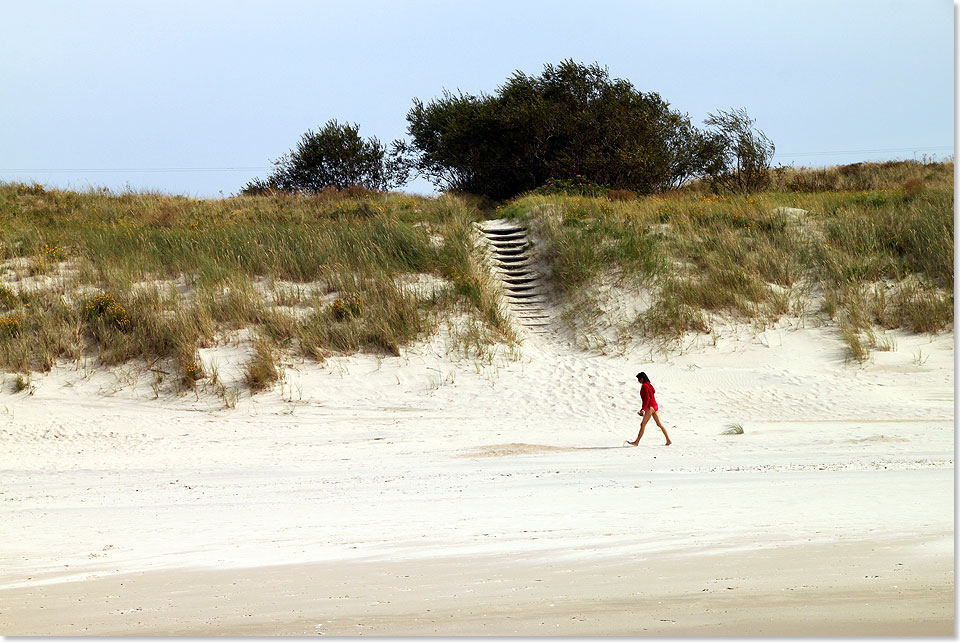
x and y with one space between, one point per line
646 395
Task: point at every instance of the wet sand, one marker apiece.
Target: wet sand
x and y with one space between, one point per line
856 588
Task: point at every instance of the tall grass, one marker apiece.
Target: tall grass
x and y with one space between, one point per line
889 175
261 370
326 274
854 177
881 257
64 250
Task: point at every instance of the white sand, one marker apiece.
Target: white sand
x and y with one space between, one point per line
420 462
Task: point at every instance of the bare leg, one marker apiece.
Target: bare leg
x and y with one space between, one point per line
656 418
643 425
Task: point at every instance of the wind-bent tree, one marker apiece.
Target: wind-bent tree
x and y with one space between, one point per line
742 155
335 156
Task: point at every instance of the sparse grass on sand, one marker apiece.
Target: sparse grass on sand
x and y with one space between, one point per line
151 276
880 257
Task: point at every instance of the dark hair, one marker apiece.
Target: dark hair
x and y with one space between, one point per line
642 377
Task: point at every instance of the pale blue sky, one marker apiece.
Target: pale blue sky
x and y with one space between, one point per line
206 85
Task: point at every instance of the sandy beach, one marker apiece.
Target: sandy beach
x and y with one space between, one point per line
423 495
340 318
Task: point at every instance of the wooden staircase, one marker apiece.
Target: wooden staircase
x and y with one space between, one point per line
511 260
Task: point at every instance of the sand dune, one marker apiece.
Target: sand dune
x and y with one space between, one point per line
501 489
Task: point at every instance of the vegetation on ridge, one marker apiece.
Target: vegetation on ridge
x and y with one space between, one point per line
120 277
880 257
334 158
571 120
155 277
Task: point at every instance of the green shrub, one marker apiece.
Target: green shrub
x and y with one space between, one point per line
53 253
192 373
467 285
104 307
36 189
576 186
10 326
8 298
225 251
347 308
334 157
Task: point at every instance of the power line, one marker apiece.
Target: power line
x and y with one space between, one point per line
869 151
270 167
135 169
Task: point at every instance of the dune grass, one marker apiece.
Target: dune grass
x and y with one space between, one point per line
153 277
261 371
733 429
888 175
150 276
879 258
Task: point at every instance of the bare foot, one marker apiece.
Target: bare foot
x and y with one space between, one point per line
668 443
630 443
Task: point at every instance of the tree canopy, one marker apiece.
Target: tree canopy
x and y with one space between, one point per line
336 156
571 120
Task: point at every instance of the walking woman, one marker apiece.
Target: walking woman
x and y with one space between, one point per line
649 409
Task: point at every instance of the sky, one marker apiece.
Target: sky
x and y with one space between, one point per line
199 97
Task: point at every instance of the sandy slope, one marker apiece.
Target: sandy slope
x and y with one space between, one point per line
464 476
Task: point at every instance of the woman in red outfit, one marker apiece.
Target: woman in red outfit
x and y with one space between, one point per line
649 409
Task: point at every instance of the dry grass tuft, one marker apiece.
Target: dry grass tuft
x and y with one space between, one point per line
261 370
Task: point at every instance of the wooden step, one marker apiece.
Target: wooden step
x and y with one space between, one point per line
520 280
509 252
504 231
499 241
511 261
